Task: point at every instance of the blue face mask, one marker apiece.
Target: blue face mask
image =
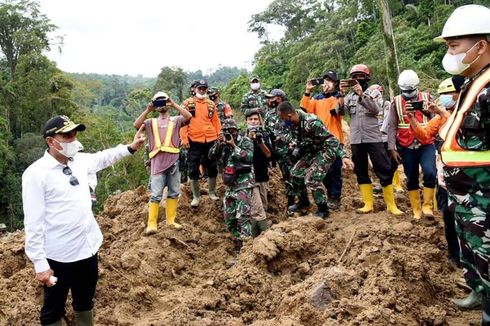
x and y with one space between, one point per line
447 101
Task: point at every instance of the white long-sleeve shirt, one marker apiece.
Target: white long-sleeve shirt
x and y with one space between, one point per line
58 219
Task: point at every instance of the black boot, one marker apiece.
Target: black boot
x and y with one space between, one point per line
236 251
485 321
303 199
322 211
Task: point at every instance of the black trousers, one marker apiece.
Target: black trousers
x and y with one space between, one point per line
80 277
198 153
449 224
379 158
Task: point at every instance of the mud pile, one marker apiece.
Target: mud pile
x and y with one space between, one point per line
348 270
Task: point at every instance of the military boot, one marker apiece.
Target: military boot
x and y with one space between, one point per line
236 251
212 189
322 211
485 321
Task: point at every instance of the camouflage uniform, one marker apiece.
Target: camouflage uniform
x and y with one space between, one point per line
317 150
253 100
469 197
238 196
220 108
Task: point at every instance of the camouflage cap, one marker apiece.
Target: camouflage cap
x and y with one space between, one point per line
276 92
229 124
252 78
213 91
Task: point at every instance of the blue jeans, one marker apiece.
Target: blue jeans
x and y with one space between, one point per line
333 179
424 156
169 178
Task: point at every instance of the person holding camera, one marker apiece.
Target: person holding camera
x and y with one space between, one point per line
163 134
223 108
237 153
315 148
405 148
366 139
329 108
262 155
255 99
199 136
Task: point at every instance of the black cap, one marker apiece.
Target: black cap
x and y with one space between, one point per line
251 112
61 124
276 92
201 83
332 75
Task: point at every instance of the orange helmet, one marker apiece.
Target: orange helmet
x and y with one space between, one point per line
360 69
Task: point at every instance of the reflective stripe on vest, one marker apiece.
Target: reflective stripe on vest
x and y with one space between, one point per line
167 145
452 154
400 110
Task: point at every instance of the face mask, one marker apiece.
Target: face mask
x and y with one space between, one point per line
409 94
70 149
363 83
447 101
328 86
453 63
255 86
200 96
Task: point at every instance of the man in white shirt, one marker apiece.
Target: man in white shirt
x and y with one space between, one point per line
62 236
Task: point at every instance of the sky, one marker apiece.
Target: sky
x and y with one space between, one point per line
139 37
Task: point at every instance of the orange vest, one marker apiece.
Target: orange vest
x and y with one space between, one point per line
167 143
452 154
405 134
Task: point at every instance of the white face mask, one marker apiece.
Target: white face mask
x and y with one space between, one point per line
70 149
453 63
200 96
255 86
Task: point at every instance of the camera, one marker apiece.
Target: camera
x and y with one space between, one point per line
316 81
349 82
159 103
227 136
417 105
297 152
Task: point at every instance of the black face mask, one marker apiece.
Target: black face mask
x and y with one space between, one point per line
363 83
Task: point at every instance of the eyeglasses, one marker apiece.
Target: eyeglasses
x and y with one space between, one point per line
73 179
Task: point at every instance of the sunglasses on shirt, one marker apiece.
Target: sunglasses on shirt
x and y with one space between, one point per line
73 179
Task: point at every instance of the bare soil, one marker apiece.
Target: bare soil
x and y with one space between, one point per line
350 269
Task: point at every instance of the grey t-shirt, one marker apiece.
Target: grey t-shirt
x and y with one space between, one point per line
363 111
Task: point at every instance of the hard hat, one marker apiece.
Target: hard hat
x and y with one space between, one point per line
466 20
360 69
160 94
229 124
408 80
451 85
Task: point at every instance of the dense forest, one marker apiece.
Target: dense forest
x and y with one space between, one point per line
387 35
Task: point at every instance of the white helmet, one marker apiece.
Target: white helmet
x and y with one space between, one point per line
408 80
160 94
466 20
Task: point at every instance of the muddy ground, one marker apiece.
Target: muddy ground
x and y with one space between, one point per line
351 269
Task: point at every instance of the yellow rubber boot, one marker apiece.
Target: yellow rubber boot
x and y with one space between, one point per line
428 201
389 198
367 198
415 203
397 184
171 213
152 218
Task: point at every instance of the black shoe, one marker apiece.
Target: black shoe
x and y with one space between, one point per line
291 200
333 204
322 211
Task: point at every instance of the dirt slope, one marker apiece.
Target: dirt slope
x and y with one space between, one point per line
348 270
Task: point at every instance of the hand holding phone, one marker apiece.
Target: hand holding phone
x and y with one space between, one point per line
317 81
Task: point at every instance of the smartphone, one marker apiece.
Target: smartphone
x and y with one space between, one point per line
417 105
349 82
317 81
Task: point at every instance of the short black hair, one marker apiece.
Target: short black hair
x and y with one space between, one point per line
251 112
285 107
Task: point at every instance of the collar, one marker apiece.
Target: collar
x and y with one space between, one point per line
49 162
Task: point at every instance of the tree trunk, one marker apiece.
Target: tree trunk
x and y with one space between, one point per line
393 69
